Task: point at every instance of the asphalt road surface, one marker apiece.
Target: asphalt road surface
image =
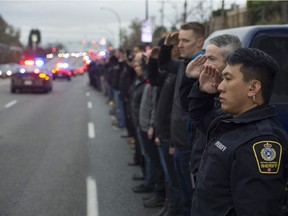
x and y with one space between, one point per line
60 156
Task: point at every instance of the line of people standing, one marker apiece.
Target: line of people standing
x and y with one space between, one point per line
153 97
146 94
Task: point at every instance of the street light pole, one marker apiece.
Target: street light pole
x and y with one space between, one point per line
146 11
118 18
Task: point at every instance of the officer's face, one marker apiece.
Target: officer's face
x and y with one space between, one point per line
189 44
215 57
137 64
234 91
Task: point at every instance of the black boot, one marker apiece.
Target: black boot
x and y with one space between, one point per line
173 204
156 201
162 211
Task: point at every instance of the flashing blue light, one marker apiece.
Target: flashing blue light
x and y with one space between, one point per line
22 70
102 53
39 62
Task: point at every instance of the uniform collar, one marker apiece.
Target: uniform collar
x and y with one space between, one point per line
255 114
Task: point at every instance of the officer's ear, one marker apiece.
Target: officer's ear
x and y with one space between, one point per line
254 89
200 42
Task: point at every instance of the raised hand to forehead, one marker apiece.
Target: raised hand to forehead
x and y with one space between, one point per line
195 66
209 79
155 52
171 39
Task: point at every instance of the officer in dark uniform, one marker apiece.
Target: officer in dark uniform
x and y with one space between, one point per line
244 167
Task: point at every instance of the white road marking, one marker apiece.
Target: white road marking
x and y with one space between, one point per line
92 201
10 103
89 104
91 131
4 82
87 94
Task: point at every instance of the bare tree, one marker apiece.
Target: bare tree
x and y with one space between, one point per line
200 11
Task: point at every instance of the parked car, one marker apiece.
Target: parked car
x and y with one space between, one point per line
272 39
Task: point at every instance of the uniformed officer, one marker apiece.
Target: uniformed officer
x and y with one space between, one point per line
243 169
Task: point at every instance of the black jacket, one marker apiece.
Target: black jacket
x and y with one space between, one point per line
244 166
165 80
126 78
117 70
179 117
137 90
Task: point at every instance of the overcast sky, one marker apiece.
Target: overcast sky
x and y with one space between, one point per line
72 21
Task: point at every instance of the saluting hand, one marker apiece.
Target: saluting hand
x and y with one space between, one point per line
209 79
155 53
171 39
195 66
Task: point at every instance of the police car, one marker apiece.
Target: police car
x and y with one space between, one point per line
33 76
5 71
61 71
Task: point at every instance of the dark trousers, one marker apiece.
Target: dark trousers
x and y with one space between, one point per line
153 169
128 118
171 179
138 157
182 161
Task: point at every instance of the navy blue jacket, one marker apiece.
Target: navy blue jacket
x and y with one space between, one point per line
243 170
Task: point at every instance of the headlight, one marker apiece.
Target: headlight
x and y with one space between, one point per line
9 73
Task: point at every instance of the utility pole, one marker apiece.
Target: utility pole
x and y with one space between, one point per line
185 12
162 12
146 11
223 15
119 22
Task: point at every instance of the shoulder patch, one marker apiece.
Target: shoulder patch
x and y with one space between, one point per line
268 156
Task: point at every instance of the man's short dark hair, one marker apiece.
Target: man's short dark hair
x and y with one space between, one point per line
258 65
197 27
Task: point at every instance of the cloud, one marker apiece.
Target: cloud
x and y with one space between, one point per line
69 20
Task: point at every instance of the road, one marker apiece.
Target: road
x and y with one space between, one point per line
60 156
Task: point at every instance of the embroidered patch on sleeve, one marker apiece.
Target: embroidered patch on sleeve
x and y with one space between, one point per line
268 156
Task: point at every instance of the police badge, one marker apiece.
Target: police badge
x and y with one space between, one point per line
268 153
268 156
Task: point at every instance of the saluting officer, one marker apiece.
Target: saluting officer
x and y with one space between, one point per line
243 169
